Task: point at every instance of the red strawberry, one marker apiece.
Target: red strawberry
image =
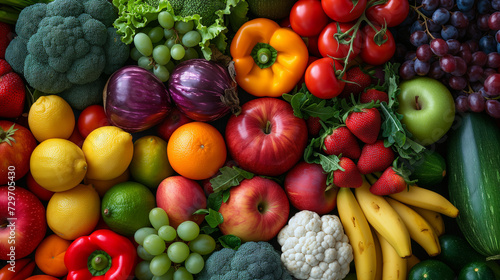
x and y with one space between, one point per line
391 181
365 124
373 95
313 126
342 141
358 81
5 37
350 177
375 158
12 92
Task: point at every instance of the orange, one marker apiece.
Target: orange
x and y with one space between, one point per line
49 255
196 150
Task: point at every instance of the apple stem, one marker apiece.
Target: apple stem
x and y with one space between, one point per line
268 127
417 105
329 187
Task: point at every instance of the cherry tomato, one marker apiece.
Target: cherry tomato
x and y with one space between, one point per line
307 18
329 45
377 50
343 10
91 118
392 13
321 78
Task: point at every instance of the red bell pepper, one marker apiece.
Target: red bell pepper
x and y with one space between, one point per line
103 255
22 269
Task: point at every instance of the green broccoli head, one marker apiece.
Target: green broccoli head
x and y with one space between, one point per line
252 261
205 8
68 43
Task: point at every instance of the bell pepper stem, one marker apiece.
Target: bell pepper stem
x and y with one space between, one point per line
98 263
264 55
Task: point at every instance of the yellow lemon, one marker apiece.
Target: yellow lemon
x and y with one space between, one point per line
51 117
150 163
74 213
58 164
102 186
109 151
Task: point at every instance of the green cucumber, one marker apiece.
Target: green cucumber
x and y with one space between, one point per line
476 271
431 269
473 156
429 171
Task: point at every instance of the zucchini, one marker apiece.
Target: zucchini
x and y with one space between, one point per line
473 160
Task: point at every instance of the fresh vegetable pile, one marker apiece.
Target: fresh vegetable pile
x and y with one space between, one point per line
259 139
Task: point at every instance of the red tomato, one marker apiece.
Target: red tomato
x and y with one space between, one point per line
392 13
329 45
91 118
321 78
16 145
174 120
343 10
307 18
312 45
378 49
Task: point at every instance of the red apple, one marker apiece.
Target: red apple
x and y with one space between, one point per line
173 120
22 222
256 210
180 197
266 138
36 189
305 186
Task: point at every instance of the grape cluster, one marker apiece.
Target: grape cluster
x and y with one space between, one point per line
164 43
169 253
458 43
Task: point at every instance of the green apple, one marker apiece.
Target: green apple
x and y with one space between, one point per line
428 109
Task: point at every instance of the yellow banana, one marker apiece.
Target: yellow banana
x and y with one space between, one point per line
411 262
420 230
394 267
384 219
427 199
378 275
358 230
434 218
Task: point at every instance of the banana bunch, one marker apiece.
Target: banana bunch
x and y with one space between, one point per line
381 228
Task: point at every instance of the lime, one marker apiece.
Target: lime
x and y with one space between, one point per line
125 207
150 163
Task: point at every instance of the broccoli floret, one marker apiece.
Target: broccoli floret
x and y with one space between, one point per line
80 97
252 261
68 43
205 8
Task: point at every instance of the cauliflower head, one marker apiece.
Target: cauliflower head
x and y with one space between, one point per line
67 43
252 261
315 247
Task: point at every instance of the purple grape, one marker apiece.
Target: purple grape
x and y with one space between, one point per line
419 38
417 26
488 72
475 73
477 103
495 4
448 63
482 22
461 67
439 47
421 67
479 58
476 86
494 21
493 108
447 4
473 45
459 20
465 53
483 6
435 71
457 82
462 104
424 52
488 44
440 16
430 5
449 32
492 85
407 70
493 60
465 5
453 46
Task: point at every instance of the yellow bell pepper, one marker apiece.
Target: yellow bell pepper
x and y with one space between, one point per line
269 60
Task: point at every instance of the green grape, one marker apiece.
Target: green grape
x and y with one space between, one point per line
160 264
203 244
141 233
167 233
142 271
169 33
166 20
161 54
178 252
177 51
183 27
156 34
182 274
135 54
170 42
154 244
141 252
170 66
143 44
145 62
194 263
190 54
167 276
191 38
161 73
157 216
188 230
